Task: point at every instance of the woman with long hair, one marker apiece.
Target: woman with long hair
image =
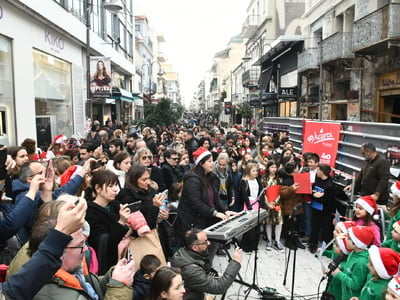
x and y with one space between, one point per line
138 190
167 284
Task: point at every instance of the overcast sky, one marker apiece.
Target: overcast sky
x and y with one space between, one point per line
194 31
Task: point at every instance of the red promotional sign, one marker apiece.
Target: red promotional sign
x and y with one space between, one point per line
323 139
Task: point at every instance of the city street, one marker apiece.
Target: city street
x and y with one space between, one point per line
271 270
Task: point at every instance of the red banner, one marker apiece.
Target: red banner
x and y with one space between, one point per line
323 139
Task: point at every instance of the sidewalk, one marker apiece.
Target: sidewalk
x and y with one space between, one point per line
271 270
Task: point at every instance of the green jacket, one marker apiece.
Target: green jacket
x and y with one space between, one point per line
391 244
392 220
374 288
335 286
354 274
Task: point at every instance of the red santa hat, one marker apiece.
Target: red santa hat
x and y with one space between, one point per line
368 203
394 285
385 261
199 154
344 226
362 236
69 173
59 139
395 189
342 243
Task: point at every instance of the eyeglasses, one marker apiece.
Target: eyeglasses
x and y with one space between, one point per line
147 157
203 243
76 247
34 174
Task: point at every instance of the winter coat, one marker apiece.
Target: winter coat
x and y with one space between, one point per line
141 286
353 275
195 272
328 199
20 189
288 197
194 209
105 233
171 174
244 191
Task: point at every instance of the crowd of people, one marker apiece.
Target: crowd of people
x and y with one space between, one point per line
147 196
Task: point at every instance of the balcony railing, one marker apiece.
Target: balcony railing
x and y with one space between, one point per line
337 46
308 60
250 76
377 27
250 26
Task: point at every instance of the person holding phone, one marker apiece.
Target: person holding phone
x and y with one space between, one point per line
138 188
107 219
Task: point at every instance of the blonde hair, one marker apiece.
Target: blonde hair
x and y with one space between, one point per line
140 152
249 166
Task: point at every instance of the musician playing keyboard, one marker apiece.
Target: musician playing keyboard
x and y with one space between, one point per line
200 206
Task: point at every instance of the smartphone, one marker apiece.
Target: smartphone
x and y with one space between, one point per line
135 206
48 168
165 194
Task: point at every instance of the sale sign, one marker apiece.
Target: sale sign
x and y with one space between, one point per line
322 138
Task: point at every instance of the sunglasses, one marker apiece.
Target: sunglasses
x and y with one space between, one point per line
174 158
147 157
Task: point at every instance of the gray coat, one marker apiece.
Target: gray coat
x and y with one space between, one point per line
195 272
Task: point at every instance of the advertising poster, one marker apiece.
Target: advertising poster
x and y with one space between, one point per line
393 156
323 139
100 77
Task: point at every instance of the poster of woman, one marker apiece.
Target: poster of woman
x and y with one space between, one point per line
100 77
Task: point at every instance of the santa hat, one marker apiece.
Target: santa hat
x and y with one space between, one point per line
368 203
199 154
69 173
344 226
394 285
395 189
342 243
59 139
362 236
385 261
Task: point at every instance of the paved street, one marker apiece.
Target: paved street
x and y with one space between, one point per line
270 273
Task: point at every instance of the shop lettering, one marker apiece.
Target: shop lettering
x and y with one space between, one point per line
1 13
54 40
287 92
391 81
316 138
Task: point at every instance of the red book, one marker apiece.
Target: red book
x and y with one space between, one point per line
303 179
273 192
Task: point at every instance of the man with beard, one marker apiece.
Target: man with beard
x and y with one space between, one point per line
197 272
374 175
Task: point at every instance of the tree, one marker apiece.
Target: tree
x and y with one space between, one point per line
245 110
164 113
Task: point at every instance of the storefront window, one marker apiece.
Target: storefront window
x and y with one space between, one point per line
7 108
53 103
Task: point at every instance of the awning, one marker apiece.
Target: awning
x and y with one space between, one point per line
264 79
121 94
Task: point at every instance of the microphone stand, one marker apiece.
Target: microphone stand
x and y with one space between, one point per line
253 285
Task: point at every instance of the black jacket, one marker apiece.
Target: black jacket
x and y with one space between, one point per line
157 176
105 233
141 286
245 193
194 209
328 200
171 175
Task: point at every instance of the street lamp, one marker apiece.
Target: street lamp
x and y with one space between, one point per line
160 73
113 6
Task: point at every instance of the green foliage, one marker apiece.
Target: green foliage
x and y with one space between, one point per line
245 110
164 113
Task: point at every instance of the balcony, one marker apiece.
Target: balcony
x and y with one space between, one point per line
308 60
250 76
373 31
337 46
250 26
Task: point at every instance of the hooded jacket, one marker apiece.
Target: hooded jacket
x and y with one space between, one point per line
195 272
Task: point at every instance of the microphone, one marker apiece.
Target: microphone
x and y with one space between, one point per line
333 265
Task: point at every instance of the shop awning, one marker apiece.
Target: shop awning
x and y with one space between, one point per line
264 79
121 94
